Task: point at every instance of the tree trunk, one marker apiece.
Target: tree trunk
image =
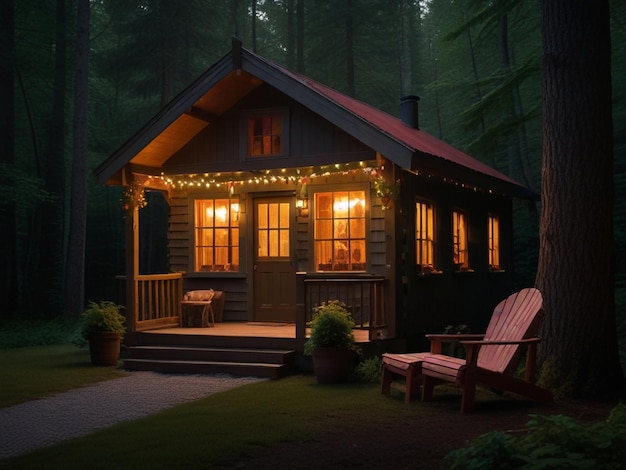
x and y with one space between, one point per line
75 277
300 36
575 271
350 51
8 227
406 75
253 19
517 146
51 259
291 35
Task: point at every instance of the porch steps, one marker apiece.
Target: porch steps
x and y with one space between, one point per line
268 363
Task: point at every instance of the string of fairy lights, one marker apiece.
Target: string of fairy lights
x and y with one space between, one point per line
297 177
293 176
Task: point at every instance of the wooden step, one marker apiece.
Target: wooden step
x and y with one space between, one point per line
270 363
241 369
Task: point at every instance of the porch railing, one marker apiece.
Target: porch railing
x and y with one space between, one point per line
157 300
364 297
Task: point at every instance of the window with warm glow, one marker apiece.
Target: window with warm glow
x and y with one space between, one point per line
494 243
264 134
425 236
460 253
216 225
273 230
339 231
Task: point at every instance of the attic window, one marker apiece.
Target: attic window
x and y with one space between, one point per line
266 132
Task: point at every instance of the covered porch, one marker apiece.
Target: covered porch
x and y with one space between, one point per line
154 306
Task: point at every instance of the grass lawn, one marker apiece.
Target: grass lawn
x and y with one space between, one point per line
210 431
31 373
222 428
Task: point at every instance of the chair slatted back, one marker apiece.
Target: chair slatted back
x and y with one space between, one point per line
516 317
200 295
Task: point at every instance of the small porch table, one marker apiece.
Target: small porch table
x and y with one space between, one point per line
207 318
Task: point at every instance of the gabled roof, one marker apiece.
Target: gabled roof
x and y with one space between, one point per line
240 71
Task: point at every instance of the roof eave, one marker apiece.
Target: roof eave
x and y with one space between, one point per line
164 118
429 164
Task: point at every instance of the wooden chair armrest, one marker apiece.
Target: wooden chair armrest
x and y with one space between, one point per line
436 340
455 337
488 342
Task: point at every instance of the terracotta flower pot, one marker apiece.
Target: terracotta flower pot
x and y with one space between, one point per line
104 348
332 365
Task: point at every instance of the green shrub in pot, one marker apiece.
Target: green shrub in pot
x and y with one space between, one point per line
331 342
102 326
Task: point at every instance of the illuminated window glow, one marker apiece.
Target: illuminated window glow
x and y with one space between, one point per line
339 231
216 225
424 236
494 243
460 252
273 230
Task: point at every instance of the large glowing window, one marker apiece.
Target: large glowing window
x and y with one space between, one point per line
460 252
494 242
339 231
217 234
424 236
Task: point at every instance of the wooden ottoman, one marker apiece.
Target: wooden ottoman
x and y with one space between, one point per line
407 365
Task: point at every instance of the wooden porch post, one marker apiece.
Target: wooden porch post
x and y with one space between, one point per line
132 264
300 304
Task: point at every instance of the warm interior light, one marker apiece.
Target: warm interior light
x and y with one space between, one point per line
343 204
220 213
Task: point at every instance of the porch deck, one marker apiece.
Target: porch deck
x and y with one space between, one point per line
248 330
238 348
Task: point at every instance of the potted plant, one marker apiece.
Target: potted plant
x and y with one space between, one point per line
102 325
331 343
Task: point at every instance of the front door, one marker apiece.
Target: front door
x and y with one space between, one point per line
274 269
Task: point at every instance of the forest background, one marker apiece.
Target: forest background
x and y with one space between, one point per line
476 65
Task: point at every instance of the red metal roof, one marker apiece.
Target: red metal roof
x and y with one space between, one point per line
416 139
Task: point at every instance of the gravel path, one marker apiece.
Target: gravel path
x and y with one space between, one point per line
41 423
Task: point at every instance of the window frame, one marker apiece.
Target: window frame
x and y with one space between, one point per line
246 153
494 247
353 243
460 240
234 240
429 265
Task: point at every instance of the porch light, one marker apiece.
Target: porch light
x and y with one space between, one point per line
302 205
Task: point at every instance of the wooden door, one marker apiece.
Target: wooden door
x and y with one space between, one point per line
274 269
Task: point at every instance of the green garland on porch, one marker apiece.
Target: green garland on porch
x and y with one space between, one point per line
133 196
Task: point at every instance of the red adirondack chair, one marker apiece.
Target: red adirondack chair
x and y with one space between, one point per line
493 359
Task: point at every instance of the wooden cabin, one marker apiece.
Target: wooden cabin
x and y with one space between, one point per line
284 193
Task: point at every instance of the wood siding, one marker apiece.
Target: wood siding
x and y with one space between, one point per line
417 304
312 140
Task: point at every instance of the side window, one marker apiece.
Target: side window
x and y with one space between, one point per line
424 236
339 231
216 226
460 252
493 230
